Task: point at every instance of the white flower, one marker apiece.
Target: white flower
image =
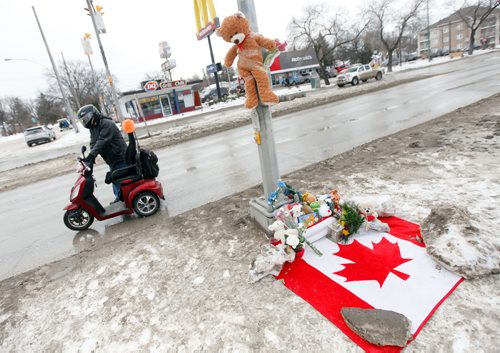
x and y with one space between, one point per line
277 225
292 237
280 235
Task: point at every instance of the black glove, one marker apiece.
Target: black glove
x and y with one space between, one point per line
89 160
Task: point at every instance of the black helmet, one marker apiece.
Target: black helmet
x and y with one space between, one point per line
87 115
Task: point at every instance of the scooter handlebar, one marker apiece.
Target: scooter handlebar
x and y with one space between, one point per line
86 167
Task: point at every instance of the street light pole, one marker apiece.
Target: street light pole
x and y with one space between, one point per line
29 60
69 111
428 33
108 73
260 210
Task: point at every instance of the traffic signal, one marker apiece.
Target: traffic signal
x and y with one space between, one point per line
87 48
98 19
99 22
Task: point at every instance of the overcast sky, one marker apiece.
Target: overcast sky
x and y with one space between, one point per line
134 29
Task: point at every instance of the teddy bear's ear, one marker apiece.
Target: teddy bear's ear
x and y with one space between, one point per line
239 14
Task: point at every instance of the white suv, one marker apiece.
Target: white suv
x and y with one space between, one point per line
37 134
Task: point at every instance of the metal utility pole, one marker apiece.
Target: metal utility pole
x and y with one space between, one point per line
428 33
248 8
69 111
215 73
260 210
70 83
108 73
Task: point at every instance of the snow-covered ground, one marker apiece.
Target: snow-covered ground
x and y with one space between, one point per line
438 60
180 284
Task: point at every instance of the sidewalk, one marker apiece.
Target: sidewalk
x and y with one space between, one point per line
181 284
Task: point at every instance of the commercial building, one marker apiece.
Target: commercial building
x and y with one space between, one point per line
452 33
293 61
160 99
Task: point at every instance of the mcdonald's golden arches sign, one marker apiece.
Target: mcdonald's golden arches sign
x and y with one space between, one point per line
206 18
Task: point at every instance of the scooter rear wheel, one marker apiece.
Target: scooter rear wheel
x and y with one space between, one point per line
78 219
146 203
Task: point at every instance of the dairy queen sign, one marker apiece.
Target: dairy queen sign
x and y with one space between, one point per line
154 85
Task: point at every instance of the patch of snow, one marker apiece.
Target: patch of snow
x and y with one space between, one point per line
198 280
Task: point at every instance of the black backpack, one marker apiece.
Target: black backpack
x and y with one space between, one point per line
149 164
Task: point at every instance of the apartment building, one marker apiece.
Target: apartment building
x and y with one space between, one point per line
452 33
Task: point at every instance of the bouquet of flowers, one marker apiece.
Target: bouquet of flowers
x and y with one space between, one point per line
287 230
349 221
285 190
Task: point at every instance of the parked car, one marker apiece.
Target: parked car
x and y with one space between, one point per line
412 56
211 94
341 68
332 73
64 124
307 76
38 134
293 80
358 73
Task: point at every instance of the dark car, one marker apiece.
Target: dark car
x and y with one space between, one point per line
64 124
212 94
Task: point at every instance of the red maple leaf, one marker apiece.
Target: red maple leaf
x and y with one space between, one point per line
371 265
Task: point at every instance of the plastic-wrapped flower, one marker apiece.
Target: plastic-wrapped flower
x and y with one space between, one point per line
272 198
292 238
280 235
345 232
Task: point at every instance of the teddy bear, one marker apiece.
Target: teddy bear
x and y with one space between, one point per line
324 210
247 46
308 197
367 210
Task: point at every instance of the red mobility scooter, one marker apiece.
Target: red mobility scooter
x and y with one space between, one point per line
140 191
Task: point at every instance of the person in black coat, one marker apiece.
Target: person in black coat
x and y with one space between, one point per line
105 140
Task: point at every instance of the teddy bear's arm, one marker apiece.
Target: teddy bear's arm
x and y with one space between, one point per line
230 56
264 42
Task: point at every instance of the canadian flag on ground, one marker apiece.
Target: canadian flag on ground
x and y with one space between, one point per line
390 271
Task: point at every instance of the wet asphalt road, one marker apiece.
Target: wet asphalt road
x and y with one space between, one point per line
207 169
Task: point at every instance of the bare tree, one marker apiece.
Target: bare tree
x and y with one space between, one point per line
3 120
82 86
323 32
474 13
19 113
391 19
153 75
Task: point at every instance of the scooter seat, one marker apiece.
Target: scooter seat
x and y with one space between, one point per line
122 174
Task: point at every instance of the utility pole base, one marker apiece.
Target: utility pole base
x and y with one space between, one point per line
261 213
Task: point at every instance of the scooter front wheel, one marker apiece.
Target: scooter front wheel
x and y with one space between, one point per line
78 219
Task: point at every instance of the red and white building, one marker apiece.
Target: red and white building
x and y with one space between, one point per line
160 99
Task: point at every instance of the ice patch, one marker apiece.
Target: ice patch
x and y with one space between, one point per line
93 284
271 337
145 336
198 280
